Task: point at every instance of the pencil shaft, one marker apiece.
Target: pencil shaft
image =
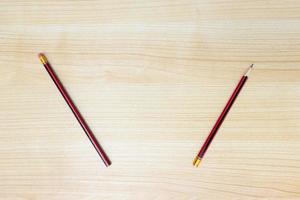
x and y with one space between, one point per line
76 112
222 117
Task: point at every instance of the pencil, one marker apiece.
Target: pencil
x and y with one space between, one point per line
75 110
221 118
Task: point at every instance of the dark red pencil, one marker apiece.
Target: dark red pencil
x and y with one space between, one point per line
75 110
221 118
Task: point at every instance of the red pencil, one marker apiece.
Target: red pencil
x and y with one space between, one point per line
75 110
221 118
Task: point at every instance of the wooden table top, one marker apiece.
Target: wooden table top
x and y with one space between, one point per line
150 78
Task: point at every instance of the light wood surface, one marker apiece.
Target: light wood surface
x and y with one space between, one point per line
151 78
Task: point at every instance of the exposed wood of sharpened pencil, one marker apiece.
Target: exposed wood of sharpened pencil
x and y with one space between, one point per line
75 110
221 118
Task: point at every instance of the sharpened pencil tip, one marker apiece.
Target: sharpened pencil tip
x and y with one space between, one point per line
249 70
43 58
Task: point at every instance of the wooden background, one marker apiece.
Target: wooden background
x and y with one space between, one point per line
150 77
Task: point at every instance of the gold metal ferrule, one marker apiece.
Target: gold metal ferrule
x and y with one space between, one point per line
43 58
197 161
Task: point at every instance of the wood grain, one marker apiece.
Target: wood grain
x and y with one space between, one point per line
150 77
